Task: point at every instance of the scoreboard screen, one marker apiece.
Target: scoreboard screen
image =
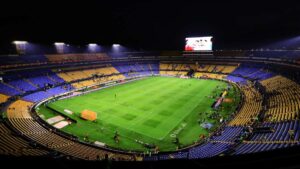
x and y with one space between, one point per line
198 43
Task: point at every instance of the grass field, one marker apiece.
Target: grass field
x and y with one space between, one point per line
150 111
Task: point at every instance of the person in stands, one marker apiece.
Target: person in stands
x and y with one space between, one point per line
291 134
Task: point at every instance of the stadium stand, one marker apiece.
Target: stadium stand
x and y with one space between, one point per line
96 76
22 85
250 109
136 69
284 99
21 59
217 144
279 137
11 144
19 109
208 150
278 103
285 54
239 80
256 72
37 96
3 98
77 57
201 70
18 115
9 89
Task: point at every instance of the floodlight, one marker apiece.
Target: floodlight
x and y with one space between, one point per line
20 42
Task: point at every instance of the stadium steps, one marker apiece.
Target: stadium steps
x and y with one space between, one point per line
31 83
142 67
206 68
219 141
219 68
11 86
211 68
133 68
87 75
70 76
3 98
58 146
33 130
11 144
273 142
252 73
150 68
223 69
53 80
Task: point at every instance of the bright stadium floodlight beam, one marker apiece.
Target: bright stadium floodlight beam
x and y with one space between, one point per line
93 47
116 45
92 44
60 47
59 43
20 42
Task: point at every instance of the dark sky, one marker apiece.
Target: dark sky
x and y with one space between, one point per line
152 25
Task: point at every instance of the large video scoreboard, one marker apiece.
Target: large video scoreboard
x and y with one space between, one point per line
198 43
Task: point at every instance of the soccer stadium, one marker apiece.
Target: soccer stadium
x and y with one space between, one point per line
117 103
129 107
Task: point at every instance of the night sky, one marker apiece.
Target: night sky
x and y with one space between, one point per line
150 25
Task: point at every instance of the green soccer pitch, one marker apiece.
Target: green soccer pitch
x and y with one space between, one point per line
152 111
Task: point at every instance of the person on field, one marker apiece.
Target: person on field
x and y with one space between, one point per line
116 137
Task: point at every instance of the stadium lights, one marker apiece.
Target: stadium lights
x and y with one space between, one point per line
60 47
93 47
59 43
116 45
20 42
92 44
21 46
